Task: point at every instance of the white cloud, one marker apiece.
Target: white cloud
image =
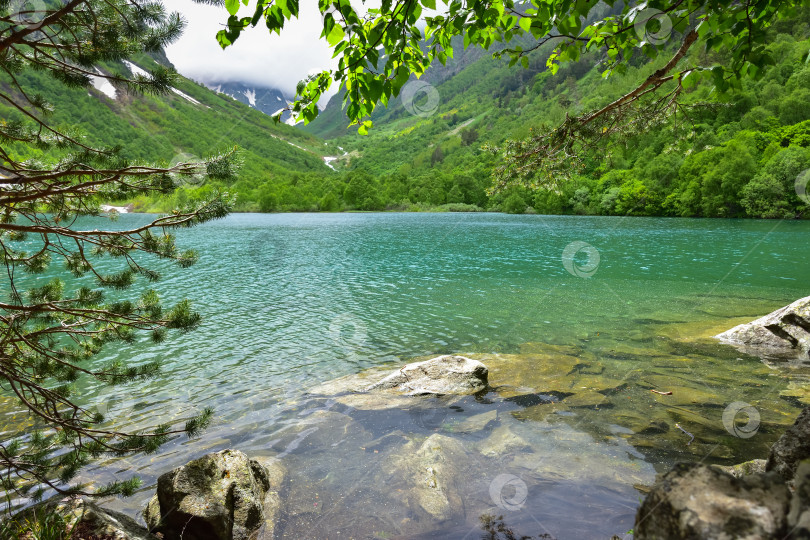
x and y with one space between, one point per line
258 57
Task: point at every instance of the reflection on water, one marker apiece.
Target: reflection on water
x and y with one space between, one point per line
573 429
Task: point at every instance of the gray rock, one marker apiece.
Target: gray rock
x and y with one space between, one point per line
442 375
220 496
431 470
791 448
799 515
501 441
784 329
755 466
479 422
700 502
276 474
87 520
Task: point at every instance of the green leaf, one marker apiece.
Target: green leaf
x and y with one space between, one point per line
336 35
691 79
232 6
525 23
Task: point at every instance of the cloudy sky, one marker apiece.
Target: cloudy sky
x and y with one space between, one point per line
257 57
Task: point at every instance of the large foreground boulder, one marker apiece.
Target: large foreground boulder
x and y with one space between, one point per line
220 496
785 329
792 448
442 375
701 502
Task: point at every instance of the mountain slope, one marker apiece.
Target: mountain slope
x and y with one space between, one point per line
268 100
332 121
738 155
189 122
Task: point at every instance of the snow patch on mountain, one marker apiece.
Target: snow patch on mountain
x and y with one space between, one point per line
264 99
251 97
103 85
186 96
135 70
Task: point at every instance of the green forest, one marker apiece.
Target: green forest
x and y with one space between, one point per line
737 155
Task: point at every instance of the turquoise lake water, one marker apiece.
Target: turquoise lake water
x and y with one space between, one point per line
292 300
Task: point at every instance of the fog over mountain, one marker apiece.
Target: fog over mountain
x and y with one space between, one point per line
258 60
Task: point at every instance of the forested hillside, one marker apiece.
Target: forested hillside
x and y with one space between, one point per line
736 155
191 122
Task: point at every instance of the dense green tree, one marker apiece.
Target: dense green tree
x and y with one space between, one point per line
765 197
468 136
380 48
514 204
361 191
329 203
437 156
268 200
52 328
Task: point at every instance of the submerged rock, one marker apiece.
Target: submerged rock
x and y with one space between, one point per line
784 329
501 441
701 502
588 399
220 496
792 448
513 374
432 470
797 393
442 375
472 424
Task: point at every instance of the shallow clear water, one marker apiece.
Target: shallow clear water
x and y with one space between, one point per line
578 318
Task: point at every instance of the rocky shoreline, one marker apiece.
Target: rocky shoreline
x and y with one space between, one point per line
758 499
227 495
